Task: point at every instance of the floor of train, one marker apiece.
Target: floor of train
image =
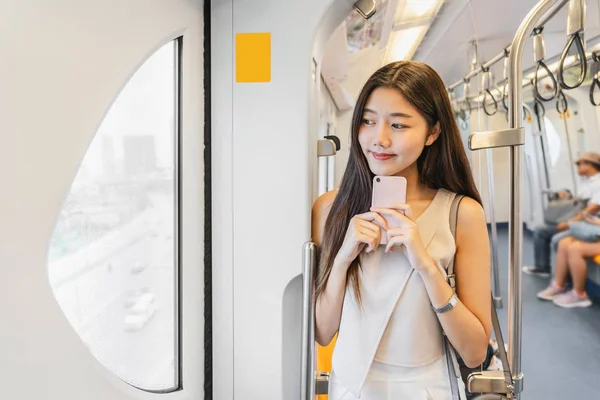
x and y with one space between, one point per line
561 347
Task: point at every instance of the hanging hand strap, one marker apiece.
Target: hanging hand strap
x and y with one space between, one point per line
495 322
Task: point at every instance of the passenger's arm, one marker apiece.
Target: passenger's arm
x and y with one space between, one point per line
468 325
592 219
361 234
592 209
328 309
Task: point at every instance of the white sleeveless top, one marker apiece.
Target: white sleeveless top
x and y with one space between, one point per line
396 324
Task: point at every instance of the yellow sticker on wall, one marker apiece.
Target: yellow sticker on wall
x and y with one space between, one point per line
253 57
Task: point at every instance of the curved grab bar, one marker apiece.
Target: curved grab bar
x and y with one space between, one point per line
515 236
515 249
575 38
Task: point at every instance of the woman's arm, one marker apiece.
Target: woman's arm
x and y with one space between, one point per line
591 219
468 324
591 209
328 310
362 234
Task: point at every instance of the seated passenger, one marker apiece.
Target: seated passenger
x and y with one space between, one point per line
570 260
588 167
389 303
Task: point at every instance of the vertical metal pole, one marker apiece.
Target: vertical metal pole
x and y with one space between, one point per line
570 148
529 170
536 152
322 175
330 173
541 127
309 260
491 201
515 101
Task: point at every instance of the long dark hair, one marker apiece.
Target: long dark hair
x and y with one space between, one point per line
443 164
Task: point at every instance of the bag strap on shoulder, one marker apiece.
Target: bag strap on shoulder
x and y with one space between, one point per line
496 324
453 221
452 362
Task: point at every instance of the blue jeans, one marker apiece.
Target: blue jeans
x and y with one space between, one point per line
554 243
542 238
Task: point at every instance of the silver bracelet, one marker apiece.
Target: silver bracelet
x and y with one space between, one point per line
448 306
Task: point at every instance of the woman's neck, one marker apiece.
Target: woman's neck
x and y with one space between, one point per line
415 190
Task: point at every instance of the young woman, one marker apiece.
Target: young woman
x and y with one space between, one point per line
389 304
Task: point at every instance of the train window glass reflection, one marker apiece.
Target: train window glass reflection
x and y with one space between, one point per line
553 141
112 260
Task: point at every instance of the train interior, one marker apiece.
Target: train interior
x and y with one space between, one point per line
461 37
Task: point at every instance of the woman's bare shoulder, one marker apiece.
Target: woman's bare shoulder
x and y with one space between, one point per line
471 220
470 210
320 211
324 202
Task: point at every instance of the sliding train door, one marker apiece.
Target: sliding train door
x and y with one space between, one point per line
101 162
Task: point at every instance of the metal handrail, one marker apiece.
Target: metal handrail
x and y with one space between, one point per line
503 82
309 262
515 248
504 53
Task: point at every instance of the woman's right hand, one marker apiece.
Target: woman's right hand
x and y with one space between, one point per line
364 230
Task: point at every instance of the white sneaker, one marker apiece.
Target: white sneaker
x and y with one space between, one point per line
551 292
571 299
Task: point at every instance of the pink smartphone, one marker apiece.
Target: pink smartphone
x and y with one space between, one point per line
388 190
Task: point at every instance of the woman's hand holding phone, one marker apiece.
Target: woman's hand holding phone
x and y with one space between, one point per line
407 235
362 232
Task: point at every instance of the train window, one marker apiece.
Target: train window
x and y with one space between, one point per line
553 141
113 256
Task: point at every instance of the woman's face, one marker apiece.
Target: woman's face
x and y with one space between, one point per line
393 133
